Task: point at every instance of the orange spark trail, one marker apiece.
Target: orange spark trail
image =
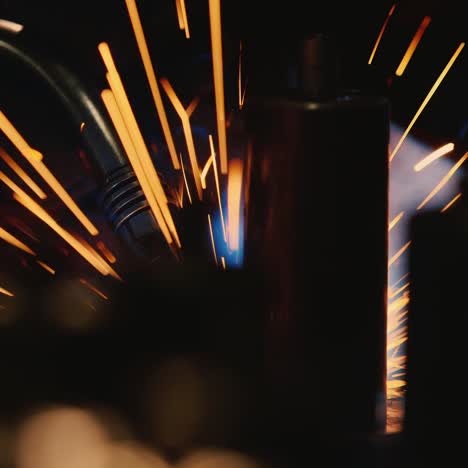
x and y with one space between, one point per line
12 240
395 221
412 46
185 179
46 267
187 132
82 126
218 192
212 240
192 106
438 153
93 288
180 19
35 159
428 98
398 291
19 171
446 178
106 252
401 279
218 79
6 292
151 76
382 30
205 171
398 254
450 203
234 202
223 262
183 11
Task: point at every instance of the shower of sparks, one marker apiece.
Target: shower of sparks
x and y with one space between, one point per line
218 79
185 179
395 221
151 76
46 267
179 108
212 240
136 138
12 240
412 47
35 159
445 179
10 26
234 203
205 171
6 292
22 175
438 153
93 288
183 11
381 33
450 203
119 124
398 254
106 252
428 98
180 19
218 191
23 198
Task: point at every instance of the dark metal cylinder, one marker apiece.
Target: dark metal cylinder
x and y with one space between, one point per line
317 233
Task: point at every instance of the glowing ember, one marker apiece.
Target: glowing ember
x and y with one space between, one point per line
6 292
46 267
438 153
381 33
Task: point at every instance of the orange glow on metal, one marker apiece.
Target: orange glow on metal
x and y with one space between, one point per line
398 254
381 33
445 179
427 98
6 292
438 153
93 288
205 171
12 240
179 108
234 191
212 240
412 46
395 221
151 76
35 159
23 198
179 15
46 267
183 10
223 262
218 79
22 175
119 124
106 252
450 203
218 191
185 179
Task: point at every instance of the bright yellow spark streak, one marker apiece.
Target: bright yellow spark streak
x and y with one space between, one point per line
11 26
382 30
46 267
395 221
239 79
35 159
398 291
151 76
185 179
82 126
19 171
212 240
106 252
412 46
438 153
398 254
93 288
446 178
6 292
234 202
205 171
184 18
192 106
428 98
179 108
15 137
12 240
23 198
104 266
218 79
218 191
137 138
223 262
450 203
180 19
117 120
